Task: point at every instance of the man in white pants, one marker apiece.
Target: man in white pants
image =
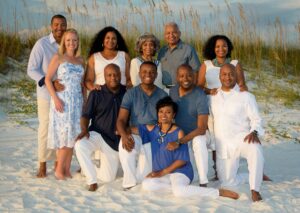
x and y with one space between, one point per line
192 118
138 107
102 109
237 125
39 59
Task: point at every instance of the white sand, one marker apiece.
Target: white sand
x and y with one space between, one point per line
21 191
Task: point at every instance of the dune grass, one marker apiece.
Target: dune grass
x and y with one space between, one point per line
256 55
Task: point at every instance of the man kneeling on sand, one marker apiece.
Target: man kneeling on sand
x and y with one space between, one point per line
102 108
237 125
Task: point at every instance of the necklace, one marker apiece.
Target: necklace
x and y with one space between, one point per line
160 139
217 64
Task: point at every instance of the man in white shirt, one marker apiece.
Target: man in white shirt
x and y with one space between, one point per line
39 59
237 125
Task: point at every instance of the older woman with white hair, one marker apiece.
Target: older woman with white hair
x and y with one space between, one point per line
146 45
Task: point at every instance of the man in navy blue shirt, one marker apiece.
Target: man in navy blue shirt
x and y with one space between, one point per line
138 107
192 117
102 109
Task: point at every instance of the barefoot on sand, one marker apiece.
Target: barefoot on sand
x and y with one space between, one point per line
256 196
228 193
93 187
42 170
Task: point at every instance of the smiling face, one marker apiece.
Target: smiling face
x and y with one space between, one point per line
185 77
110 41
165 115
71 42
172 35
227 77
221 48
58 27
148 48
147 74
112 76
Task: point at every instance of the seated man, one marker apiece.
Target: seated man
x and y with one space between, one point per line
138 107
102 108
192 117
237 125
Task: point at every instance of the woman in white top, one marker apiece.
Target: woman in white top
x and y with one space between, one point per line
108 47
146 45
217 50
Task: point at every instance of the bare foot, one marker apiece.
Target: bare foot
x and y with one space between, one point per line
93 187
42 170
203 185
59 176
68 175
266 178
228 193
256 196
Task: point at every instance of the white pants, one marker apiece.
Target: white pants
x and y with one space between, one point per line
109 159
136 164
200 146
180 186
44 154
227 168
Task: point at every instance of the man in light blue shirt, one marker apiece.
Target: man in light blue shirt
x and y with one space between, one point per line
138 107
39 59
174 54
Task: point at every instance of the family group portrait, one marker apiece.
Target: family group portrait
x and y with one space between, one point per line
149 106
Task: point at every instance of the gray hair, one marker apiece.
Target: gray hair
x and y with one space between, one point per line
172 24
146 37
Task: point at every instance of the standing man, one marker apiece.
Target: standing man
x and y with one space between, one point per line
138 107
237 125
102 109
39 59
174 54
192 117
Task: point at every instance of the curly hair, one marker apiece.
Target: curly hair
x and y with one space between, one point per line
209 46
99 39
146 37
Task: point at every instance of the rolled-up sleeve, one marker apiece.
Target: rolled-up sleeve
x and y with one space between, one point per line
34 68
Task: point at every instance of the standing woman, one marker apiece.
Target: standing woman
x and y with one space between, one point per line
146 45
107 47
65 108
217 51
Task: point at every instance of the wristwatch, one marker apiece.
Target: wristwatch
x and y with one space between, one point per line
255 132
178 142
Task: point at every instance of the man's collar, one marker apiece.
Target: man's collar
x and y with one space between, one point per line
51 38
179 45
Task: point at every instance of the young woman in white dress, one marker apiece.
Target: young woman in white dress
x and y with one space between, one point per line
66 106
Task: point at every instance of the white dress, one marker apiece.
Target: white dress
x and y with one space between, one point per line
135 68
65 126
101 63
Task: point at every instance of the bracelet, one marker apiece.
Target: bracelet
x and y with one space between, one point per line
178 142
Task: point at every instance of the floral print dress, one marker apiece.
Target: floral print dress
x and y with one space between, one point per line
65 126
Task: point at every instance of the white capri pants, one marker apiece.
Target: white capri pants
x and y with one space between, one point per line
180 185
136 164
228 168
109 159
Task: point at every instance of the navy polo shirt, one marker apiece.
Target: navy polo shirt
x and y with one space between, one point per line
102 108
189 107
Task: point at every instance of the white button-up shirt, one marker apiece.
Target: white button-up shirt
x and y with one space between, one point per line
235 115
40 57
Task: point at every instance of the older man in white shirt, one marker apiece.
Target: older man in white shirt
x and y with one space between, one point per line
39 59
237 125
